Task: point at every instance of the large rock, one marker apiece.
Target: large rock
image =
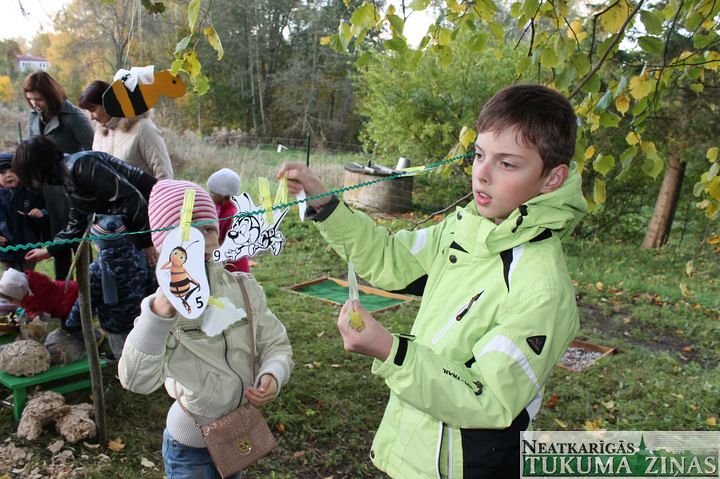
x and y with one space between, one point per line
24 358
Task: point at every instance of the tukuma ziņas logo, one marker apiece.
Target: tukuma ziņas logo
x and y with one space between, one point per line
626 454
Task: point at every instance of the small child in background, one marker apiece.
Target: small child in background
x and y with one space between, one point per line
222 185
119 280
38 294
22 216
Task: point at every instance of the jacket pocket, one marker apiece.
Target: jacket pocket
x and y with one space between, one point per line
457 317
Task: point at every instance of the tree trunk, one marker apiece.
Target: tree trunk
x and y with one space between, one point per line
88 330
658 230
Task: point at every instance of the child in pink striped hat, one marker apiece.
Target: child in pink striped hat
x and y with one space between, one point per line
204 362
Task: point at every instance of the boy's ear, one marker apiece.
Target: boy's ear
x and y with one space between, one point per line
555 178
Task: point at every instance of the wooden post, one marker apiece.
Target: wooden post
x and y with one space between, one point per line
83 278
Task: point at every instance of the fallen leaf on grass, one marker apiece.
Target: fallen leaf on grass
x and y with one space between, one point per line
146 463
56 446
90 446
711 421
297 454
560 423
280 427
609 405
320 334
687 349
677 395
685 291
336 366
593 425
552 401
599 286
116 445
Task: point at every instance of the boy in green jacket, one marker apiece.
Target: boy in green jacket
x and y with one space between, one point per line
498 307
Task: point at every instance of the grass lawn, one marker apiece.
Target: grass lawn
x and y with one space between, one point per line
664 376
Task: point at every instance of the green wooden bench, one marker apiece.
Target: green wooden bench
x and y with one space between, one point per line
20 384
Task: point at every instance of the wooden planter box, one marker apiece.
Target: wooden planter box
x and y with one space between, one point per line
580 355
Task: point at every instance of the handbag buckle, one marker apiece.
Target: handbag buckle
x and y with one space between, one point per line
243 446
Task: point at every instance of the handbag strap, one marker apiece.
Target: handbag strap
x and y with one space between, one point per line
248 310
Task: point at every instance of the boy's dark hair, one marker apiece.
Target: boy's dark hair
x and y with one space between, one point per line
543 117
92 96
38 159
44 84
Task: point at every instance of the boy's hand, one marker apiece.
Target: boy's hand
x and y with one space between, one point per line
162 306
266 392
37 254
374 340
35 213
3 240
299 178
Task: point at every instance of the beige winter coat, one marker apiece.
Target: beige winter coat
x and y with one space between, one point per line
137 141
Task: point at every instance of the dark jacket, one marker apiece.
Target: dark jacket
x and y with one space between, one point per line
117 299
70 129
96 182
19 228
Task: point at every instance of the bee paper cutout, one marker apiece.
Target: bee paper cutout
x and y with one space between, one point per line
181 273
132 94
250 235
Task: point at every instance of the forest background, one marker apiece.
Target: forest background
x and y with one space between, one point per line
642 76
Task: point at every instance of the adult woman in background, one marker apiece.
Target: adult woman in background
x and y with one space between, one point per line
54 117
137 140
95 182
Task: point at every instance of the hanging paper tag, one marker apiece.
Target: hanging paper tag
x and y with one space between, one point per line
186 214
356 322
251 234
218 319
181 272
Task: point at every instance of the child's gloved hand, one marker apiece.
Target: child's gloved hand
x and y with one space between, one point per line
299 178
264 393
373 340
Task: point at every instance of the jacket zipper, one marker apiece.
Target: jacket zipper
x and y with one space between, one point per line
457 317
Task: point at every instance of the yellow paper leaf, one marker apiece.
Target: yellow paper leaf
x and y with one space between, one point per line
711 421
622 103
714 239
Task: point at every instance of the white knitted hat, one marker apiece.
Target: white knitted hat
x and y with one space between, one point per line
14 284
224 182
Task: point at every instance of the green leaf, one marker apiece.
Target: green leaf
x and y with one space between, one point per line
566 76
396 23
201 84
698 189
529 7
603 164
653 21
344 34
692 22
599 192
192 64
176 66
608 119
549 57
214 41
582 63
697 87
182 45
364 17
477 42
418 5
192 13
363 59
701 41
442 36
153 7
522 65
626 159
713 171
593 85
397 44
444 56
651 45
498 31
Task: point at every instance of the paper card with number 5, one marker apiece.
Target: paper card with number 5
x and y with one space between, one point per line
181 273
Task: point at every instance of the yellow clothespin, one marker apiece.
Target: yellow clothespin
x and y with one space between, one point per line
281 196
266 199
413 170
186 214
216 302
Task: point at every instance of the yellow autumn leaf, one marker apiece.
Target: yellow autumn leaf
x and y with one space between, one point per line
590 152
116 445
622 103
640 87
574 31
613 19
714 239
561 423
685 291
712 154
594 425
324 41
632 138
711 421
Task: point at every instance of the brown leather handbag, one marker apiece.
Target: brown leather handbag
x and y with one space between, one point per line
240 438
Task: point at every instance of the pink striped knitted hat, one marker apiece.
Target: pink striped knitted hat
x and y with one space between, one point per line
166 200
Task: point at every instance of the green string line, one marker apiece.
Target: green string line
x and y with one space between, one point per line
44 244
